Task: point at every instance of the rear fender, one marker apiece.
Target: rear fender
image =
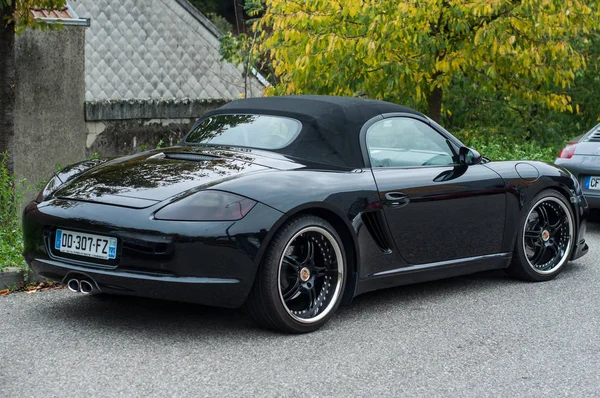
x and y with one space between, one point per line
331 214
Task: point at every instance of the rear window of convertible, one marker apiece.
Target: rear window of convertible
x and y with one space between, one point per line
253 131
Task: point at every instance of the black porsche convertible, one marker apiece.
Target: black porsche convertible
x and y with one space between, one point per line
291 206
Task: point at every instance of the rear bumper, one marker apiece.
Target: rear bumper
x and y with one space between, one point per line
220 292
582 166
593 200
211 263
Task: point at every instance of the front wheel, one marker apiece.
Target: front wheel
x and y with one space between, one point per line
545 239
301 279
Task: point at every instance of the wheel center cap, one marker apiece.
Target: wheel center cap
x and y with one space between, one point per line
545 236
304 274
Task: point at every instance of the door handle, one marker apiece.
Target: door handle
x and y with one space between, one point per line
396 199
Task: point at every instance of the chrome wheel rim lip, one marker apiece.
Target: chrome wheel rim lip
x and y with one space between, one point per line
565 256
339 281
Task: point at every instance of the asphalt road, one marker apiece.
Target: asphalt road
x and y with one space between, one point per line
481 335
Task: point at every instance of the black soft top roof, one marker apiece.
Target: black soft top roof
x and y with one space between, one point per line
330 125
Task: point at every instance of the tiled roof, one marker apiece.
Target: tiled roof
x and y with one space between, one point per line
63 13
155 49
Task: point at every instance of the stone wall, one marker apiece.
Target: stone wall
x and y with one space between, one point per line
49 111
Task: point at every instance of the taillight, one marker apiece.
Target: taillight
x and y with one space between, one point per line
207 206
568 151
52 186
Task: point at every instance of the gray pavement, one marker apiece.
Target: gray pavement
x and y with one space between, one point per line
481 335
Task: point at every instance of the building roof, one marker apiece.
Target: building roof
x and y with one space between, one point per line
65 16
62 13
156 50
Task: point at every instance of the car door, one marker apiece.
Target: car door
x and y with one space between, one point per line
436 208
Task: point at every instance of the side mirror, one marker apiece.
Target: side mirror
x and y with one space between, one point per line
468 156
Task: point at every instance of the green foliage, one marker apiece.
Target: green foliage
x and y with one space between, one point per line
159 144
585 93
11 236
254 8
245 49
220 22
207 6
217 11
469 106
235 48
241 50
497 146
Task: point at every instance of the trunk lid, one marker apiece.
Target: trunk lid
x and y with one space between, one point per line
144 179
588 148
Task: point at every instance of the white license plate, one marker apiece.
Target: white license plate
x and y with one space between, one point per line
592 183
88 245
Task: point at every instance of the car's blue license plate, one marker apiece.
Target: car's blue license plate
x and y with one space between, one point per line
592 182
88 245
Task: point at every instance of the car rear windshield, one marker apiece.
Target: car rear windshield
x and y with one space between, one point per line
253 131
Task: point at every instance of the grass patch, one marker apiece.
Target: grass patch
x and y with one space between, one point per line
11 235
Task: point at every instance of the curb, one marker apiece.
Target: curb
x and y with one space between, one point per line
12 276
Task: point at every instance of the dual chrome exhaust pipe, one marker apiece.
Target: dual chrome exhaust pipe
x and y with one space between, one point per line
85 286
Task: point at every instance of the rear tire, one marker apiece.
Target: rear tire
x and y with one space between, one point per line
300 282
545 239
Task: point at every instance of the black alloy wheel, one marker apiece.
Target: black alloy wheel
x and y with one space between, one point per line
301 280
546 239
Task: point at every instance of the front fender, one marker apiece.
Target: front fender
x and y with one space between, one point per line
522 188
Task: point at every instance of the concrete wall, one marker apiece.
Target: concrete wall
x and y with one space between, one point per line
118 128
123 137
50 93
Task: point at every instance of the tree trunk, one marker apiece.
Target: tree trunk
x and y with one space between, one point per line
7 83
435 104
238 9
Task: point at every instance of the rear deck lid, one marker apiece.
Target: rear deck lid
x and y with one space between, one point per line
144 179
589 145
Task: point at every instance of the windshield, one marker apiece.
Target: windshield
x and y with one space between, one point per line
253 131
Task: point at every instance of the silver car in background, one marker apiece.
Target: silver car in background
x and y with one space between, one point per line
581 156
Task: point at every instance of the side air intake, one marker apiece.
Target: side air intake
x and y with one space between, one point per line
594 136
373 222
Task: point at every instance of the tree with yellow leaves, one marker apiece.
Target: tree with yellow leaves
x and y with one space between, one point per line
410 51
